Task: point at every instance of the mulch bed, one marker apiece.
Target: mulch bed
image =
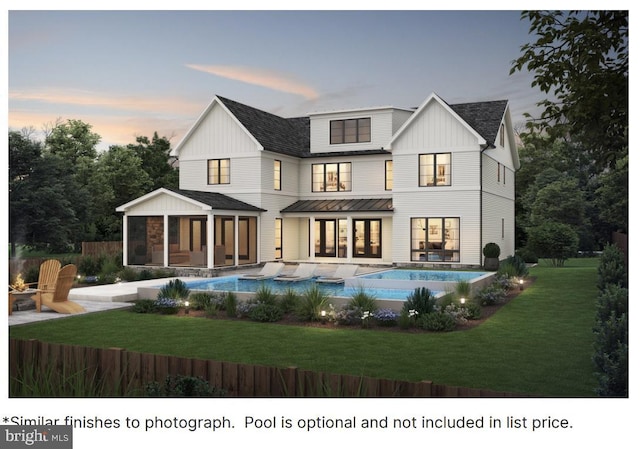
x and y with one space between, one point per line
291 320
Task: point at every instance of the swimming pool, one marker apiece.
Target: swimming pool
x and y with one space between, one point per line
425 275
235 284
434 280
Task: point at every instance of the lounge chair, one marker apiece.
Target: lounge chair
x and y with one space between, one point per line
47 278
341 273
58 299
269 270
303 272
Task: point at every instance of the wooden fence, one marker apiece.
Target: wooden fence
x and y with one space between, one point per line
97 248
124 372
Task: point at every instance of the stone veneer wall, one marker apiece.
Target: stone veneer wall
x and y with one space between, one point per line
155 233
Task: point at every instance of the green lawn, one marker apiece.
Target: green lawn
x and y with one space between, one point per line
540 343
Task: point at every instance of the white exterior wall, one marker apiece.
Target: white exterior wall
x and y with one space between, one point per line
384 122
436 130
498 203
367 177
165 204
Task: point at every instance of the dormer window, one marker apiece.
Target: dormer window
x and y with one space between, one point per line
350 131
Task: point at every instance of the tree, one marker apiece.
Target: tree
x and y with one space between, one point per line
582 60
155 160
73 141
119 178
612 196
556 241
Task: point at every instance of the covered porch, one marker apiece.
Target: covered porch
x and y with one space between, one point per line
343 230
183 228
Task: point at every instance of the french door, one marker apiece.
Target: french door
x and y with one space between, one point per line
367 238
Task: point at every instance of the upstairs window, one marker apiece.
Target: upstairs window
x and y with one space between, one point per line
502 135
218 171
434 170
277 175
331 177
350 131
388 175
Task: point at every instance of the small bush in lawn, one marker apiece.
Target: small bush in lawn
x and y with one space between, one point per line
474 311
421 300
457 312
144 306
514 266
362 300
167 306
312 303
266 313
174 289
230 304
348 317
289 300
437 322
264 295
243 309
200 301
128 274
386 317
407 319
491 295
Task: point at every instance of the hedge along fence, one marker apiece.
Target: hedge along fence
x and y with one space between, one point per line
123 373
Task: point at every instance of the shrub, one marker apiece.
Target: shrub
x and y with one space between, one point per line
463 289
289 300
421 300
386 317
312 302
348 317
144 306
230 304
491 250
407 319
266 313
200 301
527 255
243 309
89 265
128 274
611 269
265 295
490 295
174 289
167 306
474 311
437 321
556 241
363 301
182 386
514 266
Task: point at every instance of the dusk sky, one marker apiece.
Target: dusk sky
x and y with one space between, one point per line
130 73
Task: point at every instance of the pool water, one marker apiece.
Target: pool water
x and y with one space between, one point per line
235 284
425 275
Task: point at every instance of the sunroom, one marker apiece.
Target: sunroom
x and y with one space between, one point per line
186 228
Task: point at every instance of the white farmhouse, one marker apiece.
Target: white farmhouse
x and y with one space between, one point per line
424 186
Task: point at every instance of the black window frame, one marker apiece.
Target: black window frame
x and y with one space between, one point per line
340 136
339 182
277 179
433 170
218 171
388 180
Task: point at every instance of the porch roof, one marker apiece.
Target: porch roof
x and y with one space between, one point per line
217 200
344 205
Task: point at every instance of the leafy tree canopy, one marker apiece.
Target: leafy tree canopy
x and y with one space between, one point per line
581 58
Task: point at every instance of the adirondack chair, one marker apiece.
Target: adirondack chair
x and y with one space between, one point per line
47 279
58 299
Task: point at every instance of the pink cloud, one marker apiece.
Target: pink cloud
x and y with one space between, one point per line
259 77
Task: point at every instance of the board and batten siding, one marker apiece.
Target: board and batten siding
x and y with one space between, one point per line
165 204
434 129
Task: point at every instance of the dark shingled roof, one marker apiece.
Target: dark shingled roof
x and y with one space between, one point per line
217 200
485 117
290 136
280 135
349 205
